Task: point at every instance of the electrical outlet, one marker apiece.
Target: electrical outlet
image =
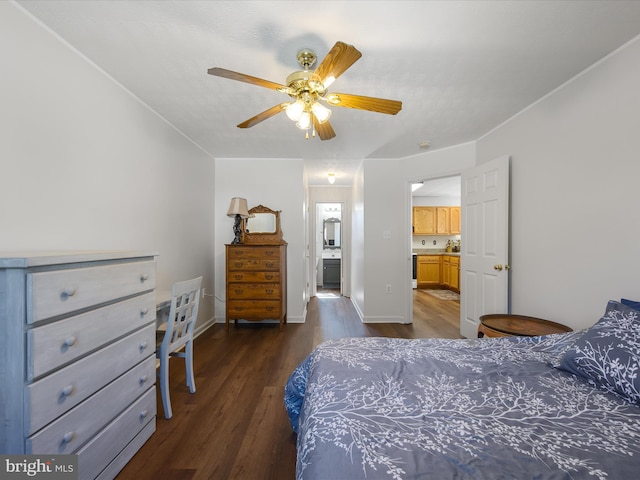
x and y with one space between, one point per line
388 289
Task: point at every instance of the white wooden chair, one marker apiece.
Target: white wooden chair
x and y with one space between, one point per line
177 340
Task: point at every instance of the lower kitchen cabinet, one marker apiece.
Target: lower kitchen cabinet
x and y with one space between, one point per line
439 271
428 270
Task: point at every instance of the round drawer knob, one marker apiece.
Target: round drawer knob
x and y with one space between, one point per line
143 379
66 293
143 312
67 437
68 390
69 341
143 414
144 277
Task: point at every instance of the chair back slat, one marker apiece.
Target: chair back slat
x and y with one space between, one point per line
183 313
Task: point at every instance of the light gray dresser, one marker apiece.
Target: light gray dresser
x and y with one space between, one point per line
77 356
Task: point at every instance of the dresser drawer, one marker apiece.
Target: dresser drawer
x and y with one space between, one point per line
254 290
53 345
254 309
57 393
254 277
62 291
99 452
254 265
73 429
254 253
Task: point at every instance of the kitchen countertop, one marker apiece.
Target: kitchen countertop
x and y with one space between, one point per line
434 251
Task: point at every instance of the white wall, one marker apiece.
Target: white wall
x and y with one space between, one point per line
386 208
85 165
279 185
575 170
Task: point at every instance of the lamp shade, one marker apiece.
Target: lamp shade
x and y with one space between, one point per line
238 206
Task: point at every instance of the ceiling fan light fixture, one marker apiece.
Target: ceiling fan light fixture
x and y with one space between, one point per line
328 81
333 99
304 123
294 110
321 112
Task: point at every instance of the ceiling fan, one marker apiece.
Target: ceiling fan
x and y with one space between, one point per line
308 87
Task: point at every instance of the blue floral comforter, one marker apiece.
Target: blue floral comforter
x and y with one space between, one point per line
386 408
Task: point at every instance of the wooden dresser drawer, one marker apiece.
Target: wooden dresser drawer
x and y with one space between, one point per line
96 455
73 429
62 291
254 290
254 277
253 252
56 344
248 264
254 309
57 393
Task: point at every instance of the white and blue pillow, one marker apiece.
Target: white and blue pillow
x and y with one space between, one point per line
608 354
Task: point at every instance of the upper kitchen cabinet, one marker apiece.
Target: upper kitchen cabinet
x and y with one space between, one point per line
454 218
424 220
436 220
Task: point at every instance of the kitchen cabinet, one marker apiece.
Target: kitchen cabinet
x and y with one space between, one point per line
436 220
424 220
428 270
455 220
443 220
446 270
454 273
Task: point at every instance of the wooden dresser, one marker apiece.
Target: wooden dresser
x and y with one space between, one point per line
256 282
77 356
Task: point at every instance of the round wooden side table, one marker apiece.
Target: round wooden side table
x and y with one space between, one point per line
503 325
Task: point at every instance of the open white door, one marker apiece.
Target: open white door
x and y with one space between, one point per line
484 269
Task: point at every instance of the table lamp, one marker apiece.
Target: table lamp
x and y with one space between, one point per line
238 209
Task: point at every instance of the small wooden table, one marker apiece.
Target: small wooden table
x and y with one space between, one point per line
503 325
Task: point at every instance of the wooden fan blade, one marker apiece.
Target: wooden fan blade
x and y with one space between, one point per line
371 104
241 77
264 115
325 130
339 58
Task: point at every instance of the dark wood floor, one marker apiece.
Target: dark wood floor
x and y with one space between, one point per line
235 425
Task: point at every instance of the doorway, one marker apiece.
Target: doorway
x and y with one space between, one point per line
329 247
437 292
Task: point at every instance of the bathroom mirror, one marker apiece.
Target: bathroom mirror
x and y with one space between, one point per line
262 226
332 233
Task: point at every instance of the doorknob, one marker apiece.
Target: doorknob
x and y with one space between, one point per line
498 267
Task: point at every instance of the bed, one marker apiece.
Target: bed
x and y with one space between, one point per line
562 406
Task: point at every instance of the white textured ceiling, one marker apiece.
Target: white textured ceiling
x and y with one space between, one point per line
460 68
